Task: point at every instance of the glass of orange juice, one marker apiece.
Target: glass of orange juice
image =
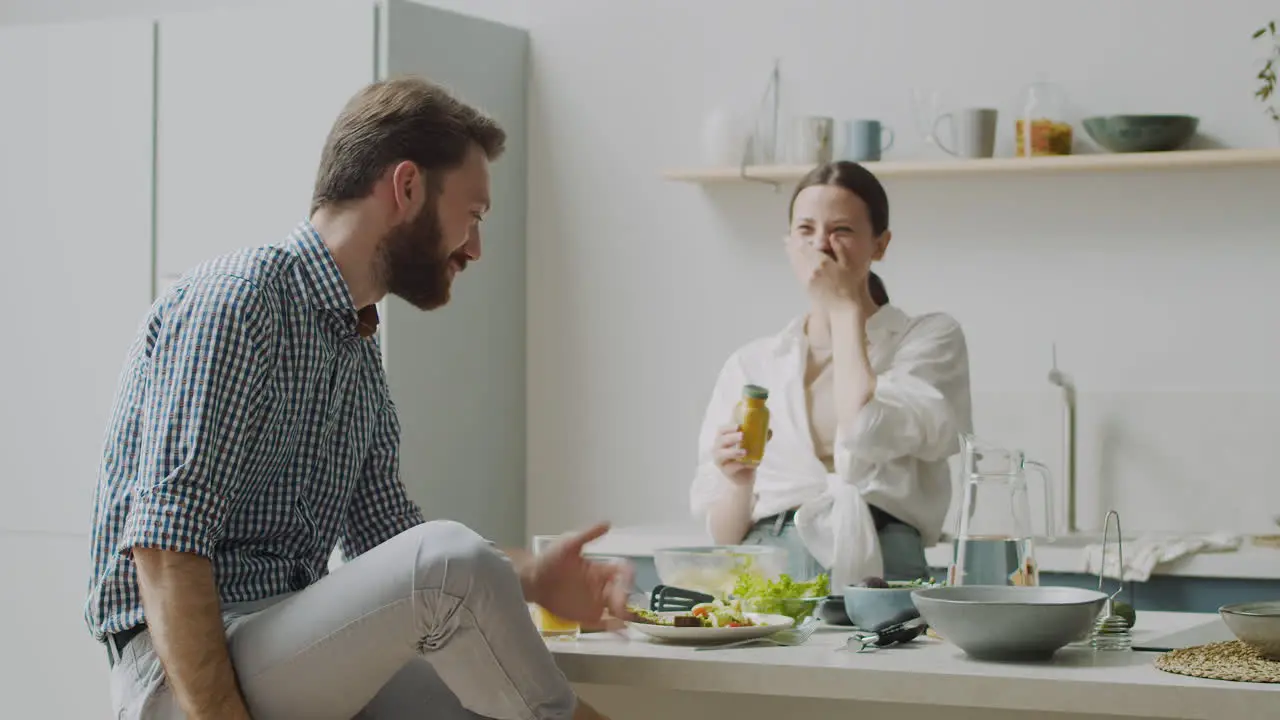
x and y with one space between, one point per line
548 623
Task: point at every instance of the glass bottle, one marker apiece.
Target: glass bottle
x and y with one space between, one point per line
752 417
1041 125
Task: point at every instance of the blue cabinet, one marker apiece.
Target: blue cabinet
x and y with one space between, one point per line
1162 592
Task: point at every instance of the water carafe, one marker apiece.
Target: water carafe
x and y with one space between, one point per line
994 543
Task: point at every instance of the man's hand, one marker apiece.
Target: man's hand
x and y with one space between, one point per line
576 588
184 618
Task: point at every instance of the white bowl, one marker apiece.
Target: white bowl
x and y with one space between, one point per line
997 622
1256 624
714 569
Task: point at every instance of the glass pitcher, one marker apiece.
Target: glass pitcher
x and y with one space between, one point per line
994 544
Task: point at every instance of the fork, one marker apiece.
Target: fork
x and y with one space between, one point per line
783 638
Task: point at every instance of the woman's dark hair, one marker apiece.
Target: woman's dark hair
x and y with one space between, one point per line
861 182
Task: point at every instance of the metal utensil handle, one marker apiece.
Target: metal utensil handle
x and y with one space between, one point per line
666 598
1102 571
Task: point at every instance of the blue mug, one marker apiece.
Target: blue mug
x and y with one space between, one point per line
864 140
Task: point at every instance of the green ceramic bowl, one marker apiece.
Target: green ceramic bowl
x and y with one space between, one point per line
1141 133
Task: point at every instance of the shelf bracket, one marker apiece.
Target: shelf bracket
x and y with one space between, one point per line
742 169
771 92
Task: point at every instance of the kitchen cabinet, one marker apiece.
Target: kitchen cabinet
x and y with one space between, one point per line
131 151
145 148
245 99
925 680
75 208
458 374
75 215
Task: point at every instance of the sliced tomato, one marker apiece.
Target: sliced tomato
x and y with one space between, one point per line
736 624
700 612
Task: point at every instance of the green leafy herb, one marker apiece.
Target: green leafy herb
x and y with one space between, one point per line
783 596
920 582
752 585
1267 75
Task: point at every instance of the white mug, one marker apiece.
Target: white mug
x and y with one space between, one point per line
811 139
973 132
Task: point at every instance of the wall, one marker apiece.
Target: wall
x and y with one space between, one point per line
1155 288
512 12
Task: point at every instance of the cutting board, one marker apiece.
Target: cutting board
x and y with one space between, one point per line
1209 632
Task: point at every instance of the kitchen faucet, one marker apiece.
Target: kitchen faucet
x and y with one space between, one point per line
1057 377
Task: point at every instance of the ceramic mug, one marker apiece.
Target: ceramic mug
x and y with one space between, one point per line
811 139
973 132
865 140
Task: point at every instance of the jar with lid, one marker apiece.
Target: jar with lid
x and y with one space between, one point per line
752 417
1042 127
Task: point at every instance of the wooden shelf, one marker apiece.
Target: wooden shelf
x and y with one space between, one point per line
1103 162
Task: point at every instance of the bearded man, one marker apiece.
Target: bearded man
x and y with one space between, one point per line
252 434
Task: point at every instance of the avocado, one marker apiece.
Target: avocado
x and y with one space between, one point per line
1126 611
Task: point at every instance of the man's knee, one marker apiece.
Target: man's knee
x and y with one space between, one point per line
459 558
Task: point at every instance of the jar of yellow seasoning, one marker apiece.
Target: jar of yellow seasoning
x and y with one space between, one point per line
1042 126
752 417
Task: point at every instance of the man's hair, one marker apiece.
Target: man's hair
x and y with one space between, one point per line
396 120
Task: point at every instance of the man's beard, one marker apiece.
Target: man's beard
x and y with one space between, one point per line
415 265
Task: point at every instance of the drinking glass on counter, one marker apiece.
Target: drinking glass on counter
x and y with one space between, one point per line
548 623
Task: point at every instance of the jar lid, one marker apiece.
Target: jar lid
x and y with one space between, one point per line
755 392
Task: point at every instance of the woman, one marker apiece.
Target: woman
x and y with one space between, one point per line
867 405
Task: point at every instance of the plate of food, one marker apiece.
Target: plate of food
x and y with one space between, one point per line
712 622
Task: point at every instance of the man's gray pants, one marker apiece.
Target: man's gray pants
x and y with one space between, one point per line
432 623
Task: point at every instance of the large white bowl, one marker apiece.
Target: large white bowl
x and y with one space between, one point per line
714 569
1018 623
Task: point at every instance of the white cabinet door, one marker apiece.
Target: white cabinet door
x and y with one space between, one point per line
246 98
75 215
45 581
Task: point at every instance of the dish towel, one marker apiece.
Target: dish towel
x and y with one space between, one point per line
1142 555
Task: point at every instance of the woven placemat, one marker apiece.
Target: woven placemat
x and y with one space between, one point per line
1231 660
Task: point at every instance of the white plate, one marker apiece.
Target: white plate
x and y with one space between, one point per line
767 625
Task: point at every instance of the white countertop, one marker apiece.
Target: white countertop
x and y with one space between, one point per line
925 672
1249 562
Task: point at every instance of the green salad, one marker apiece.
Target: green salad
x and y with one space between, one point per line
782 596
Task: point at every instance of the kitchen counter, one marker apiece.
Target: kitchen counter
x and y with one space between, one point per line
635 677
1250 562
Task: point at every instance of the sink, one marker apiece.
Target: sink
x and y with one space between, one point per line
1080 540
1074 540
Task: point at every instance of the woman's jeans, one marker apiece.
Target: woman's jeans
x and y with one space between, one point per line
900 544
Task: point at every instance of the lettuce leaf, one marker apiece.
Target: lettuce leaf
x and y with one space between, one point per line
753 586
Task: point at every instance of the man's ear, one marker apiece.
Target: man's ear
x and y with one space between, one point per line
406 186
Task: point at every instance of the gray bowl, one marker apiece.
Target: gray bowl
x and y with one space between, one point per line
832 611
1141 133
1256 624
1015 623
874 609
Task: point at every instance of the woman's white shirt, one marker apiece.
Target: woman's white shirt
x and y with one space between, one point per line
894 457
